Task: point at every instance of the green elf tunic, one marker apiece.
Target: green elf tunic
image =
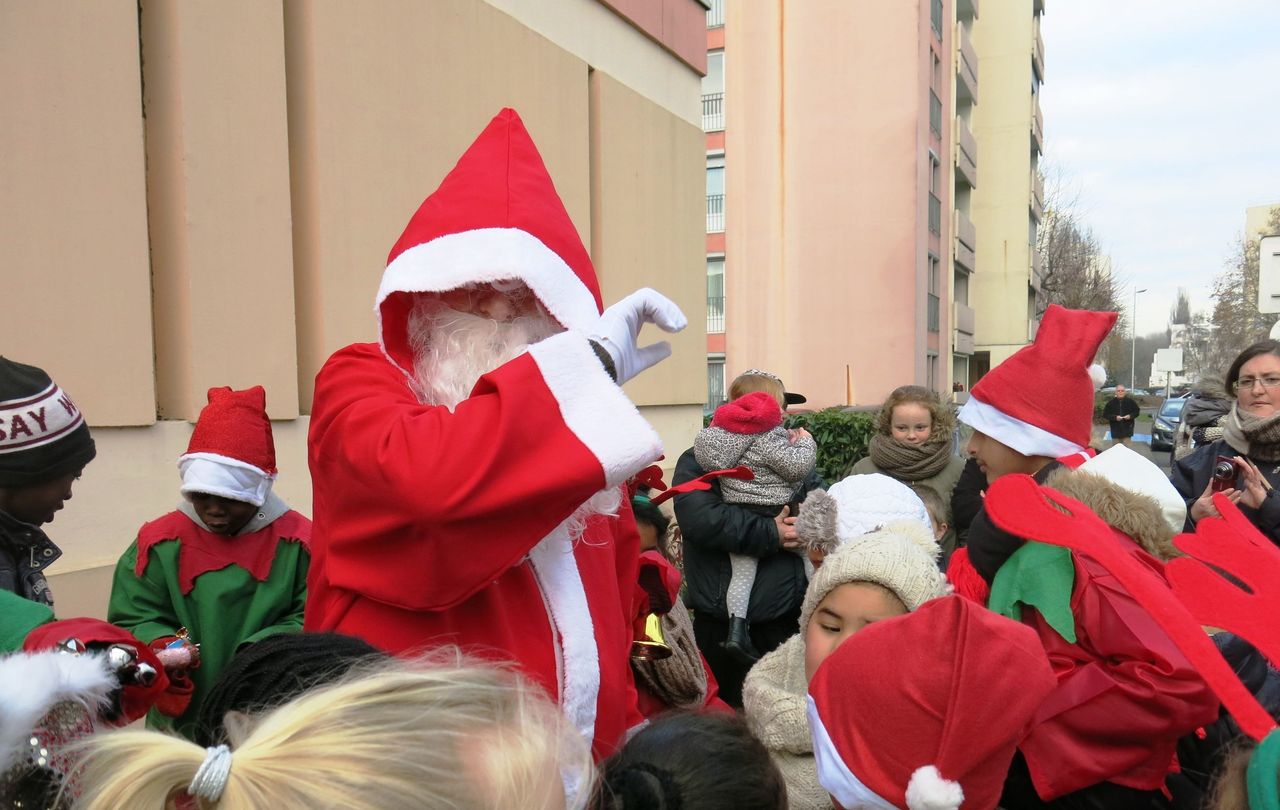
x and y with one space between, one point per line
227 591
18 617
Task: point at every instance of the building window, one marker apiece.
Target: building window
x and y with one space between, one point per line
713 93
715 382
935 114
934 301
715 14
935 18
931 371
715 195
715 295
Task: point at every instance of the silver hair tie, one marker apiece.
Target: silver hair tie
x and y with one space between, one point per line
211 779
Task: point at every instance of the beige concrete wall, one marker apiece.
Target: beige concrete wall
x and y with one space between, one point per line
377 127
826 195
646 223
1002 37
286 146
218 194
73 208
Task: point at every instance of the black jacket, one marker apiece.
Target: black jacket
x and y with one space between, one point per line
1121 406
25 552
712 529
1190 476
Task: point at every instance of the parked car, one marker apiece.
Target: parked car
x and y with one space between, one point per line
1166 423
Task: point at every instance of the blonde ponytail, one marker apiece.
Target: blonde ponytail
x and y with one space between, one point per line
437 732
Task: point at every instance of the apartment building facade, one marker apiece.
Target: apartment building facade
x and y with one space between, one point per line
830 195
1006 209
206 195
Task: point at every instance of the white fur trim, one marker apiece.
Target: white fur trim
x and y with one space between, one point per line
1024 437
1098 375
1127 469
223 476
596 409
927 790
35 682
37 420
833 774
485 255
558 577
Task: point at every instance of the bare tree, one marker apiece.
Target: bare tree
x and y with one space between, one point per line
1077 271
1236 320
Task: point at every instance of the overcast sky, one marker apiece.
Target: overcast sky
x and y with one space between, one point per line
1166 118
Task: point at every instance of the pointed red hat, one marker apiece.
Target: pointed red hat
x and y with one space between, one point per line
496 216
234 429
1040 401
924 711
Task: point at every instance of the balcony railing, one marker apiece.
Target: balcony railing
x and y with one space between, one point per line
966 66
712 112
935 17
1037 54
967 9
935 113
715 313
935 213
932 313
966 242
964 328
715 14
1037 270
1037 196
966 154
1037 126
715 213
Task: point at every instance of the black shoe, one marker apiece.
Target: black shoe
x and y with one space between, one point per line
739 641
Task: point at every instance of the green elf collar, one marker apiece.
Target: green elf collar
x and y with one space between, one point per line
1039 576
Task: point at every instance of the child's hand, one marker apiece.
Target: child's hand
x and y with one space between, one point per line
796 434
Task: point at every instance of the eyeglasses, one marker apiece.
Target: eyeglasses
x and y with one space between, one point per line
1247 383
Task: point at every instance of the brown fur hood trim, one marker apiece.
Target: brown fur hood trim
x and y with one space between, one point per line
1133 513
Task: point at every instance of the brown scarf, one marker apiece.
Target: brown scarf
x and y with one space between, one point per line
911 462
1257 437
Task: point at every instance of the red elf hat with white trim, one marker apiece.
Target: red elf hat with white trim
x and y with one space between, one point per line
925 711
232 452
1040 401
495 217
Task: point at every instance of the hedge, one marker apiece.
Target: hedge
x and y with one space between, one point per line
842 438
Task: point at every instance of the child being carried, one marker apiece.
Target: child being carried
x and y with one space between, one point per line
748 432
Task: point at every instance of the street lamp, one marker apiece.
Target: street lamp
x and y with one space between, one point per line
1133 339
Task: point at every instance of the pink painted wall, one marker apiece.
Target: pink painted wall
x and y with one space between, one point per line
827 193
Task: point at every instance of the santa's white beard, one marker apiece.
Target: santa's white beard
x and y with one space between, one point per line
452 349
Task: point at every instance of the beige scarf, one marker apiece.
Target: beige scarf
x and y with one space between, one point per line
911 462
1257 437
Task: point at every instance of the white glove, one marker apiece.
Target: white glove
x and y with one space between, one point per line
619 328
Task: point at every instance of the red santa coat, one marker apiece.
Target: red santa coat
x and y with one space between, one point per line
436 527
433 527
1125 693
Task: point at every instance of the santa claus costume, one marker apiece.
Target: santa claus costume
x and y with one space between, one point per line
437 525
225 591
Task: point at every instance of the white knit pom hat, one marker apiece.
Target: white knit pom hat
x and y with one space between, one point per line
901 556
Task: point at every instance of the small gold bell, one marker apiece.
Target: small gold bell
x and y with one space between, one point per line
652 646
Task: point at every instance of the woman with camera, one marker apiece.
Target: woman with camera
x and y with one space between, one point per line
1245 463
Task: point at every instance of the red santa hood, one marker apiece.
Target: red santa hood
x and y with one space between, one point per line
496 216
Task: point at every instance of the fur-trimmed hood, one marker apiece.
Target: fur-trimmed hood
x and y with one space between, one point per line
1137 515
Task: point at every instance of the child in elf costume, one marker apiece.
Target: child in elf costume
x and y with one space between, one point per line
229 565
1106 735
